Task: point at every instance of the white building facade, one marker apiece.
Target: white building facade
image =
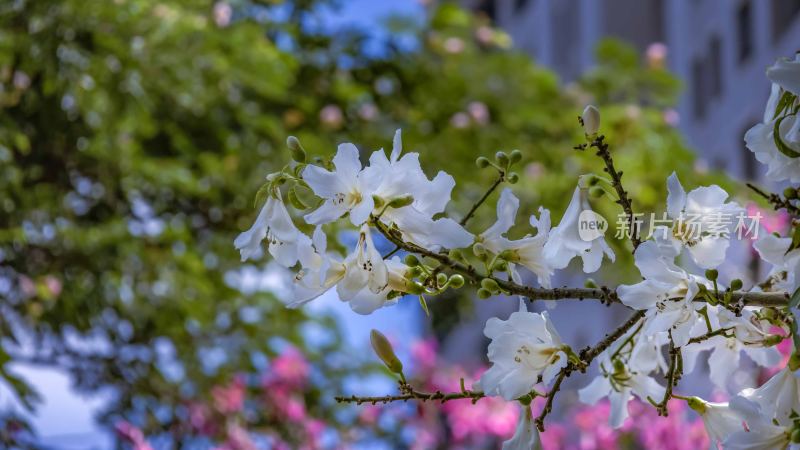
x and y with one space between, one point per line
720 48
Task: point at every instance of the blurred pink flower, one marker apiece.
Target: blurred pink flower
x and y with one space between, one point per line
672 117
772 221
289 369
479 112
132 434
657 55
460 120
423 353
222 14
229 399
453 45
331 116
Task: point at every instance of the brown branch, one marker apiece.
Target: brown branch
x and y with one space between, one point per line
616 182
776 200
672 377
486 195
410 394
604 294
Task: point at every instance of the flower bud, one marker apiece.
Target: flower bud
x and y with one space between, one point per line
591 120
456 281
297 150
384 350
483 294
697 404
712 274
512 178
501 266
411 260
736 284
456 254
516 156
501 158
482 162
400 202
378 201
590 284
441 279
490 285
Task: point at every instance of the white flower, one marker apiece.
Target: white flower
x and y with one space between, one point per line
528 251
403 176
523 347
786 74
719 419
365 301
785 273
319 272
624 373
285 241
762 435
760 138
347 189
666 292
702 221
364 268
564 242
526 435
748 337
777 398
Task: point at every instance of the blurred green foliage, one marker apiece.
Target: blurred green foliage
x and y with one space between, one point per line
135 133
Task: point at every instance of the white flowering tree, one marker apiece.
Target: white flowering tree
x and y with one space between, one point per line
676 312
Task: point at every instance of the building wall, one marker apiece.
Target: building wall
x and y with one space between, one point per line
720 48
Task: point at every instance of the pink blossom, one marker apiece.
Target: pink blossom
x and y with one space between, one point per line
423 353
672 117
331 116
657 55
290 368
132 434
229 399
453 45
479 112
222 14
459 120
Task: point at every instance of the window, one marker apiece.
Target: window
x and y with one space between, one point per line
519 5
489 8
715 71
699 91
784 13
744 30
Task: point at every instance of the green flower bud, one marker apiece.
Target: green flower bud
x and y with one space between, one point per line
414 272
712 274
378 201
297 150
516 156
490 285
697 404
441 279
590 284
736 284
790 193
482 162
501 266
512 178
501 158
411 260
456 281
400 202
414 288
483 294
456 254
596 191
385 352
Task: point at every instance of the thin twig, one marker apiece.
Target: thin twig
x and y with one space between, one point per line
606 295
486 195
616 182
411 394
776 200
397 248
672 377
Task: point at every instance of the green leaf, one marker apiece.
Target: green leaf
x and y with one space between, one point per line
776 136
424 305
786 100
795 300
261 195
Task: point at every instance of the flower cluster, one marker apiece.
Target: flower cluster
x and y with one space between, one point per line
679 311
